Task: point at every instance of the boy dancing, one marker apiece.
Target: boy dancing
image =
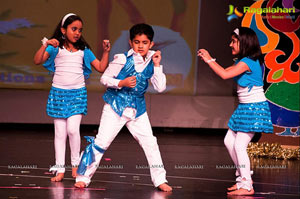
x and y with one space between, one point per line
127 80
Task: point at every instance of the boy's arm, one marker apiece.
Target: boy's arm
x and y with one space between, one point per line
108 78
158 79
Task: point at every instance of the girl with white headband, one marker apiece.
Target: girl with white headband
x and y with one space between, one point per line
252 114
69 57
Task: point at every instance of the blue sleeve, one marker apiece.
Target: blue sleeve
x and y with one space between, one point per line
90 55
50 50
49 63
250 63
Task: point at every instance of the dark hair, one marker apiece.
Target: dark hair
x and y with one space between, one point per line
249 44
141 28
81 44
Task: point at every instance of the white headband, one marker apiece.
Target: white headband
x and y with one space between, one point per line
237 31
66 17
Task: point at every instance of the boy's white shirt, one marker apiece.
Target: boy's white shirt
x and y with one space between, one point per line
108 78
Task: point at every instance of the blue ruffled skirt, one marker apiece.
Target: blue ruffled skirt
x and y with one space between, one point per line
63 103
252 117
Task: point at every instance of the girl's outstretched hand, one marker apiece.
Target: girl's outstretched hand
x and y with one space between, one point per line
53 42
106 45
205 56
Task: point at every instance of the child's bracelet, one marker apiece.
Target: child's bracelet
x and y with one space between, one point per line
44 41
211 60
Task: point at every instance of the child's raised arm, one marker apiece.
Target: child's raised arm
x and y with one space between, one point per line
227 73
100 66
41 55
158 79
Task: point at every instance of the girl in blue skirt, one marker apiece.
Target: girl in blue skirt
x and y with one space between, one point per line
252 114
69 57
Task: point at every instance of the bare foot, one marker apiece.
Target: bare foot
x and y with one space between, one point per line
165 187
80 184
232 188
59 177
241 192
74 172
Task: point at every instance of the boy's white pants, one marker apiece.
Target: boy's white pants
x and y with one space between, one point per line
110 125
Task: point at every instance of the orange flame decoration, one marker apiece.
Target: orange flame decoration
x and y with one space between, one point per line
278 71
281 71
273 38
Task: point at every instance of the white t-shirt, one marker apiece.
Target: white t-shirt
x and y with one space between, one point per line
68 70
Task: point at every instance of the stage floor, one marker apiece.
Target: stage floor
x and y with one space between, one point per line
196 161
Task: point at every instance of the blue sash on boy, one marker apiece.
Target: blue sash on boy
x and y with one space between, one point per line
119 99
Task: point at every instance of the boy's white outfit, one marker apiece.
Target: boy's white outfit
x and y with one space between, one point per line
139 125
